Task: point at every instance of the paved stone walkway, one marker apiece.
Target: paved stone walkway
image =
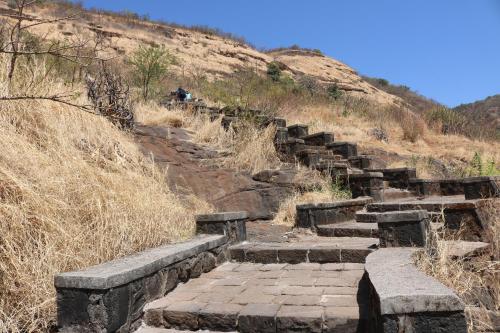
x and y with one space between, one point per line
252 297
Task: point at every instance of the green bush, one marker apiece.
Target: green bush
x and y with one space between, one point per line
446 121
150 66
334 91
274 71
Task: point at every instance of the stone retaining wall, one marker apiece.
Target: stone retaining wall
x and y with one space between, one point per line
110 297
404 299
312 215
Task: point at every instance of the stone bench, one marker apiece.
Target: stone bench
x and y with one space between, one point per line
404 299
481 187
312 215
110 297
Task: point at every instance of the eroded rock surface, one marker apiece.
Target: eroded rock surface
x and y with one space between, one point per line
226 189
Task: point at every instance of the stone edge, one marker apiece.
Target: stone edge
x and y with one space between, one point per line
426 295
105 276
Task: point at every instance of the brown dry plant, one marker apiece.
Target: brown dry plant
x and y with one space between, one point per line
74 191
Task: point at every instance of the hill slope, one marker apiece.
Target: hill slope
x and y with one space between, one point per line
486 111
199 51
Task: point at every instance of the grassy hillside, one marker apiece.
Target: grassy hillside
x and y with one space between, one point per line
76 191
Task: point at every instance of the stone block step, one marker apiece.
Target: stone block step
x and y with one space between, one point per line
395 194
318 139
431 204
348 229
253 297
316 250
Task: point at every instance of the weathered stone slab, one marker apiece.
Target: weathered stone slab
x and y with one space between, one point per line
312 215
402 289
464 249
124 270
360 161
258 318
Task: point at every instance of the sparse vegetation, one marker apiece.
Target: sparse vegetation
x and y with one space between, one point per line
150 65
324 190
74 191
475 280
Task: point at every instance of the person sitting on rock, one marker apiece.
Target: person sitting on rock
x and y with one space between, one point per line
181 94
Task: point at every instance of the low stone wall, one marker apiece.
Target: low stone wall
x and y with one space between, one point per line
404 299
312 215
110 297
481 187
424 187
451 186
398 177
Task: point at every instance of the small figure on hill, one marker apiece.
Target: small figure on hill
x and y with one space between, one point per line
181 94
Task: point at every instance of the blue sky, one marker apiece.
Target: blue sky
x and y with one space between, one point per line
448 50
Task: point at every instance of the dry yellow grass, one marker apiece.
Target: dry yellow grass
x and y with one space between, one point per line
324 190
151 113
476 281
74 191
245 148
348 123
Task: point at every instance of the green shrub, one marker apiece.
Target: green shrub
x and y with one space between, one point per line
478 167
446 121
334 91
150 66
274 71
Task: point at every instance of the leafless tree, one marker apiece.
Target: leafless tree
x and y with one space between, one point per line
79 51
109 95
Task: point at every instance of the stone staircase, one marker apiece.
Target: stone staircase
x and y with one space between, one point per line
313 282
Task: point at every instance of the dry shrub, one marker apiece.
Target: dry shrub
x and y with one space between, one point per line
325 191
475 280
152 114
246 147
76 191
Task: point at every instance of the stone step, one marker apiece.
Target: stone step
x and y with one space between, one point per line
395 194
316 250
431 204
253 297
318 139
348 229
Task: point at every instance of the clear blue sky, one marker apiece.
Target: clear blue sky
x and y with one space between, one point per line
448 50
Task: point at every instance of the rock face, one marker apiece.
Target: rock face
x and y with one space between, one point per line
226 189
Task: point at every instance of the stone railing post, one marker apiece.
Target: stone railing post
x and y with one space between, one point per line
231 224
